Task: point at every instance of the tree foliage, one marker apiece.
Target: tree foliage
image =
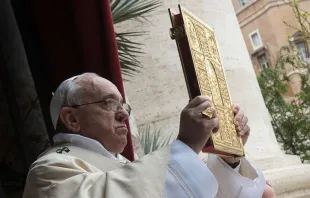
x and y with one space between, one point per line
290 119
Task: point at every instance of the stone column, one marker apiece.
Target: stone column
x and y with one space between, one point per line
158 93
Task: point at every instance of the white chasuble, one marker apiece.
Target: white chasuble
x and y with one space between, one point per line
83 168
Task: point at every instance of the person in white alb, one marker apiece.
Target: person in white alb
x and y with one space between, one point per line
88 114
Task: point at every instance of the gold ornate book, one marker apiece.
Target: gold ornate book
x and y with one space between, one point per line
204 75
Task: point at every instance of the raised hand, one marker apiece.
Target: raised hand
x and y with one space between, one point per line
243 130
241 124
196 128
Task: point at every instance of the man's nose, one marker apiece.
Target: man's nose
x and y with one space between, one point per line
122 115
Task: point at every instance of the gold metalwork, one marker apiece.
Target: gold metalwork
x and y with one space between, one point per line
208 112
212 81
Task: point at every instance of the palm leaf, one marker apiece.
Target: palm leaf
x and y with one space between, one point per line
152 140
123 10
129 51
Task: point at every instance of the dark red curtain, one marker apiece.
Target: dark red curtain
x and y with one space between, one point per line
78 36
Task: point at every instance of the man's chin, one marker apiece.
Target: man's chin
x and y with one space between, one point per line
122 141
122 146
122 131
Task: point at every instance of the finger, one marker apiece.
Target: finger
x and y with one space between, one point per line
203 106
243 122
245 134
217 128
236 109
238 118
245 137
199 110
212 124
197 101
214 113
245 131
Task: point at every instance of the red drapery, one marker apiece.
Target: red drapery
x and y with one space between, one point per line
78 36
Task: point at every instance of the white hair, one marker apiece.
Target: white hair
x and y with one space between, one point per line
68 93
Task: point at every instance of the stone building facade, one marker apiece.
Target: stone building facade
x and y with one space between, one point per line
264 32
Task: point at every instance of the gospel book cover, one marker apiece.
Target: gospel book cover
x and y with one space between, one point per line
204 75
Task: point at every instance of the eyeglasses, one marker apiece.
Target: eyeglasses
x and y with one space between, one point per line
109 105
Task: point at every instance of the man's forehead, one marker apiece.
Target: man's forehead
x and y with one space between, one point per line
106 89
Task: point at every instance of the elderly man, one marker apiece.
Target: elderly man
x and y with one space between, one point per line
88 114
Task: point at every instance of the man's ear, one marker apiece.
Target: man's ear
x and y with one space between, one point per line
68 118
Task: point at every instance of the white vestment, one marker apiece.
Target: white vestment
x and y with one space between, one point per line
82 167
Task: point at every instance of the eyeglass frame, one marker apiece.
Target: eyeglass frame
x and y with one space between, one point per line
120 105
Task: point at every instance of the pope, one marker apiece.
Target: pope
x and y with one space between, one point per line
89 114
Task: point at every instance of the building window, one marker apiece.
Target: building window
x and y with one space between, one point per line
244 2
303 54
256 40
263 62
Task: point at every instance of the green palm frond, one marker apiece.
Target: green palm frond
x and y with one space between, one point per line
152 140
123 10
129 51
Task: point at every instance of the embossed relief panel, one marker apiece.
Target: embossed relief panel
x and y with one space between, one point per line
211 79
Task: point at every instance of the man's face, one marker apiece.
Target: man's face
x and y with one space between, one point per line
97 122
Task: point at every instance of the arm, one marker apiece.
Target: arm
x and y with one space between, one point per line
187 175
65 176
248 182
237 175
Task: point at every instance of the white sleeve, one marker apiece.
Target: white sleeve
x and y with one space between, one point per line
247 182
187 176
